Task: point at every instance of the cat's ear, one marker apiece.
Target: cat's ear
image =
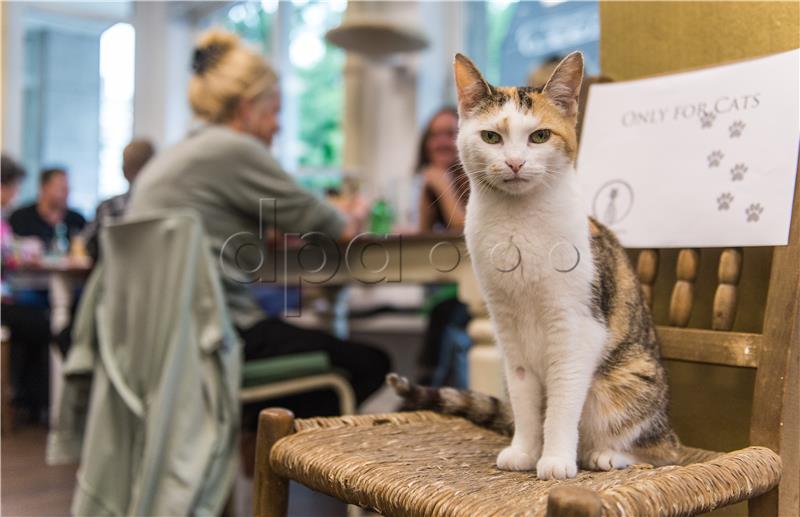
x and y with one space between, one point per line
564 85
471 85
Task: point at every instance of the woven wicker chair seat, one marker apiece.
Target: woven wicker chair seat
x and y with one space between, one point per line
423 463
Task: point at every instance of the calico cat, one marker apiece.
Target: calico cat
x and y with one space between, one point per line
581 354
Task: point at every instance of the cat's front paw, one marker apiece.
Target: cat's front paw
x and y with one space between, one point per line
516 459
556 467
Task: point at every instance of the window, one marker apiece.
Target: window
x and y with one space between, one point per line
252 22
117 47
292 35
317 68
77 103
523 35
506 39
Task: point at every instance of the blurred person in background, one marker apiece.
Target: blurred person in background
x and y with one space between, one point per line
49 217
134 157
443 199
28 327
444 191
221 171
52 223
12 176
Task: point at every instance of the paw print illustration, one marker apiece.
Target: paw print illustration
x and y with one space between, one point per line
715 158
736 128
753 212
724 201
707 119
738 171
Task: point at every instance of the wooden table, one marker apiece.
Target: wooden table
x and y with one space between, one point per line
63 275
329 266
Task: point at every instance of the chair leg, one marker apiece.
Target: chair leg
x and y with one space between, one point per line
765 505
271 497
571 501
344 391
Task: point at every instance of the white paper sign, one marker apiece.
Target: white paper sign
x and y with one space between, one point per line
697 159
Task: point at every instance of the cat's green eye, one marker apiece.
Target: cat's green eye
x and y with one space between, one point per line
540 136
490 137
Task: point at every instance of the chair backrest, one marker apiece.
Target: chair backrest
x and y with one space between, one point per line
168 348
148 271
161 286
696 295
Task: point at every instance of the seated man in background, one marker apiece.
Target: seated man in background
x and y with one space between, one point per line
51 222
134 157
49 217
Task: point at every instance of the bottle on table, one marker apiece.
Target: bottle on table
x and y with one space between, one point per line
59 247
381 218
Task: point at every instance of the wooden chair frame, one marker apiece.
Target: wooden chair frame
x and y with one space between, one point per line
334 381
774 353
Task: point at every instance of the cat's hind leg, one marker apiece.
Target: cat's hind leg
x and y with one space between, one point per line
607 459
623 425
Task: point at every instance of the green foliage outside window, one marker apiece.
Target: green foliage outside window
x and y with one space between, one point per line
321 94
252 24
315 76
321 102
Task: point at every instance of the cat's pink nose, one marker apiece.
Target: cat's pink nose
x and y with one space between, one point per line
515 165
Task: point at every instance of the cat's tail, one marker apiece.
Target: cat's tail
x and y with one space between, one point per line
479 408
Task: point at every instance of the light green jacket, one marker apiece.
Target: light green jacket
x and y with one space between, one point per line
153 340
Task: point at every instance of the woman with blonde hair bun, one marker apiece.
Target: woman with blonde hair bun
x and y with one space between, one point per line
222 170
230 80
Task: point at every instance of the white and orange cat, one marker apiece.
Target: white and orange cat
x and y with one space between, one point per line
581 355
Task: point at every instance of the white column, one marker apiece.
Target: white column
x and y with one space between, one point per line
149 98
380 123
164 43
181 35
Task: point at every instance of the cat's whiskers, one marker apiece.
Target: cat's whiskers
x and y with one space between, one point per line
481 186
463 188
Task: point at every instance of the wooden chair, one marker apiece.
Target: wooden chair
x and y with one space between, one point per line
421 463
266 379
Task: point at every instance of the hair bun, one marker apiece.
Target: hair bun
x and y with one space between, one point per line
211 48
225 71
205 58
